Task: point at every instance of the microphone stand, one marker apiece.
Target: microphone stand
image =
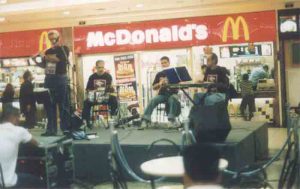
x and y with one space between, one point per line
69 91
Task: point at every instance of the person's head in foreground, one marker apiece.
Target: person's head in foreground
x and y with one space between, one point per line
11 115
201 164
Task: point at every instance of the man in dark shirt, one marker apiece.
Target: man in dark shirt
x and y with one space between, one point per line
216 74
55 62
98 80
165 95
27 100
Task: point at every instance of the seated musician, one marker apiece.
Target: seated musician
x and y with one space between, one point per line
165 95
217 75
97 81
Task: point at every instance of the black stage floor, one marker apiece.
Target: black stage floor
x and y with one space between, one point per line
246 143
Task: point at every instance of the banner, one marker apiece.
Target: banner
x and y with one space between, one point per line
176 33
24 43
125 77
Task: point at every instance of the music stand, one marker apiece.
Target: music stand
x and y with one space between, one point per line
177 74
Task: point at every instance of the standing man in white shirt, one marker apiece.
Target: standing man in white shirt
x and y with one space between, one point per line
201 164
11 136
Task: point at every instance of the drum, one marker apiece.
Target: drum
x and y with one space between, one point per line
97 96
91 96
42 95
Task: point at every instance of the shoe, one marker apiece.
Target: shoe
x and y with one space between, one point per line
172 124
144 125
250 116
67 133
47 133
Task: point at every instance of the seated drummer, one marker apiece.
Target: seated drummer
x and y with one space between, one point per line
165 95
95 82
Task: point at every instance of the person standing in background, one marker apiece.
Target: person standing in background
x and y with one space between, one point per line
257 74
27 100
248 98
7 96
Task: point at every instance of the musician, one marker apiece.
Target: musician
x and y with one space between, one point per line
55 62
11 136
165 95
216 74
27 100
98 80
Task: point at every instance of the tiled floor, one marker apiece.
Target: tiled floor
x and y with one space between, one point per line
277 137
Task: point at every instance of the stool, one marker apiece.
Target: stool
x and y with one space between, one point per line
162 110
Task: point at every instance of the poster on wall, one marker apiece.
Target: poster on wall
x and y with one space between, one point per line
124 66
127 91
125 77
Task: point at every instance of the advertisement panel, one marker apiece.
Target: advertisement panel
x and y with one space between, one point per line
176 33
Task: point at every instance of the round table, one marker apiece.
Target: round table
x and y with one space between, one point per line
170 166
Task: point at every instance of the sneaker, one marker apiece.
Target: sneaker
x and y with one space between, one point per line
172 124
251 116
47 133
67 133
144 125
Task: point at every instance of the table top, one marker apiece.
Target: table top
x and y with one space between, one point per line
170 166
171 187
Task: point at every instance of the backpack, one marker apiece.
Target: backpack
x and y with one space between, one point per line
209 119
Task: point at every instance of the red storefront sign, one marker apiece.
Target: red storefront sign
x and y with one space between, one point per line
23 43
176 33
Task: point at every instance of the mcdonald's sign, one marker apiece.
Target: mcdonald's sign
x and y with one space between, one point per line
235 28
24 43
44 42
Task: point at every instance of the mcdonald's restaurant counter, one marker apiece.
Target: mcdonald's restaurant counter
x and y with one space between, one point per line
264 102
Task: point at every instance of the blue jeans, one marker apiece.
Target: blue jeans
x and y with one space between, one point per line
174 107
59 93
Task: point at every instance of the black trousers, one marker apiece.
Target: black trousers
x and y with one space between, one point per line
248 100
87 105
30 118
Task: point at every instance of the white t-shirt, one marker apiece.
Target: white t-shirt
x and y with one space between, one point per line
10 138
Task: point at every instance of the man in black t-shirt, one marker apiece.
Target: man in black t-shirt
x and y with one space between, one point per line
97 81
165 95
216 74
55 61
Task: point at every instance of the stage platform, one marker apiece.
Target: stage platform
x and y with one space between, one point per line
246 143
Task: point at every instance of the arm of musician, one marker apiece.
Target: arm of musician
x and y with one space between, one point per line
34 142
156 86
52 58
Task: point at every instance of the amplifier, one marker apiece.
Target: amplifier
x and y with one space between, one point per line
53 163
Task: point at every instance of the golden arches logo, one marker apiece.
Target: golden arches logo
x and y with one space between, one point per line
235 26
44 41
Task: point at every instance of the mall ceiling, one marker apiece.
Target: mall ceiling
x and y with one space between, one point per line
32 14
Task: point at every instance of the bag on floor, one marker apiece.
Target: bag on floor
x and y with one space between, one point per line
209 118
